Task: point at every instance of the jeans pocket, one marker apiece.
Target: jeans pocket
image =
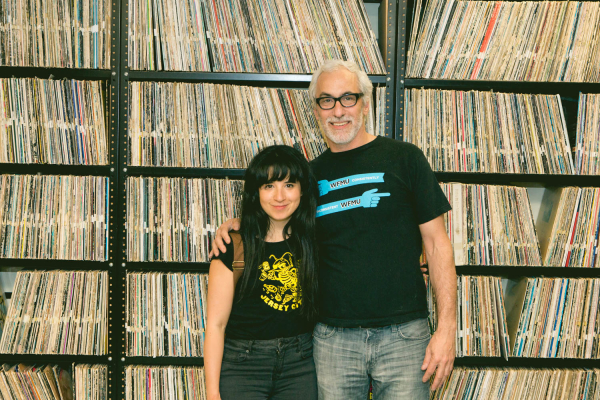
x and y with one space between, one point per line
323 331
417 329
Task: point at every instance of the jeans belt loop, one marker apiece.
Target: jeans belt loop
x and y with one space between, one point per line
250 342
299 339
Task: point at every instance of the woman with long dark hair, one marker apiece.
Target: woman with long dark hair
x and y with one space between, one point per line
258 335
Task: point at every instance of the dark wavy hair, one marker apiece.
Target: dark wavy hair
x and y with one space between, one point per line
278 163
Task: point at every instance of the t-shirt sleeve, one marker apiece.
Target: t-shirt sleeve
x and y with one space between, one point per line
430 200
227 257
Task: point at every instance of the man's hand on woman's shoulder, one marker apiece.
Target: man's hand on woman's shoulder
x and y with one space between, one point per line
222 236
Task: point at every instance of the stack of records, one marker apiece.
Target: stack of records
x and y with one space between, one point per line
480 317
516 41
54 217
164 383
290 37
216 126
167 35
58 33
488 132
559 318
519 383
587 153
174 219
52 122
491 225
165 314
573 215
379 109
35 382
57 312
90 382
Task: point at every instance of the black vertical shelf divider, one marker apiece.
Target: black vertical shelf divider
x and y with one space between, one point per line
118 299
400 68
388 9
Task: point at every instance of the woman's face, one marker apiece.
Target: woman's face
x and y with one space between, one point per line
280 199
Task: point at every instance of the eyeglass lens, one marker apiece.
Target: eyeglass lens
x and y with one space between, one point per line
327 103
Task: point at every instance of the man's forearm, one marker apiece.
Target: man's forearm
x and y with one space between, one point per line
442 274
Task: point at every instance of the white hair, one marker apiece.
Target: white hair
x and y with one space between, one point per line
364 83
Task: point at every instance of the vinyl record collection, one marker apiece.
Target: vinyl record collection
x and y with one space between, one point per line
272 36
379 110
491 225
575 223
58 33
52 122
488 132
499 40
165 314
174 219
519 383
164 383
560 318
216 126
480 317
587 158
167 35
90 382
54 217
45 382
57 312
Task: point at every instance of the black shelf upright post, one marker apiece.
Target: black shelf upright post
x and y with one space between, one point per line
117 202
400 68
388 23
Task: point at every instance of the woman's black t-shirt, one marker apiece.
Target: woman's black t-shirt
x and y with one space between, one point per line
271 309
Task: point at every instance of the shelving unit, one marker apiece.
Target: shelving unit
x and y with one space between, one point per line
387 41
567 90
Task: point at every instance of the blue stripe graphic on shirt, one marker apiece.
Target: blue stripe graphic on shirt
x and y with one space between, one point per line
368 199
325 186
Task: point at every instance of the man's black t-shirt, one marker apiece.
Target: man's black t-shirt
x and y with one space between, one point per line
271 310
372 201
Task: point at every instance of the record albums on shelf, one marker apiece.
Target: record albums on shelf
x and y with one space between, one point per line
569 227
554 317
164 383
272 36
472 131
520 383
52 122
547 41
57 312
491 225
167 35
90 382
235 122
61 217
43 382
481 329
57 33
587 146
165 314
174 219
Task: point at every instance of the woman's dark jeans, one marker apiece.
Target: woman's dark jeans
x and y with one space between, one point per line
278 369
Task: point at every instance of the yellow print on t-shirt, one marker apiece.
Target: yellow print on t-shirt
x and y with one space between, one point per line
280 283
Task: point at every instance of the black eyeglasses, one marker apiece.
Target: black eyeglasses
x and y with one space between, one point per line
347 100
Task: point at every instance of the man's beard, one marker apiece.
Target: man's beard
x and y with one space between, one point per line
347 136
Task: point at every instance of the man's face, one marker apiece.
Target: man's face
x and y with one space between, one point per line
340 124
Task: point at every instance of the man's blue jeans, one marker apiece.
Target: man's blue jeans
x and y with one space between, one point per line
392 356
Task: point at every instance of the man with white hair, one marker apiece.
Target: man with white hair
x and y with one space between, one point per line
379 206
